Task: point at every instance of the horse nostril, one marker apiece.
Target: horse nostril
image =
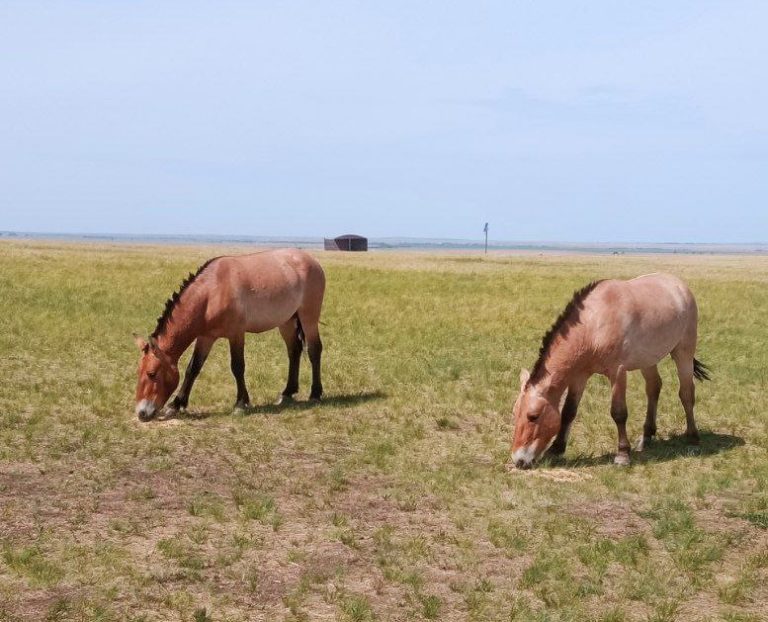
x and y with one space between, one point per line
145 410
522 464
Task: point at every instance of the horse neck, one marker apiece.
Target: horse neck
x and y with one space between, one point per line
565 361
185 326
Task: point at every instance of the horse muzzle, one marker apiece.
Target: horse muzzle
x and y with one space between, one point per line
525 456
146 410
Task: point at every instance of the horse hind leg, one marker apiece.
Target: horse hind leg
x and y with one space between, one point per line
309 324
290 331
652 391
685 366
619 415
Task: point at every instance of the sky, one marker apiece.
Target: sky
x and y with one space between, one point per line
596 121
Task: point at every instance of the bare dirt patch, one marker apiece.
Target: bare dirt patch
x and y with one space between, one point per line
611 519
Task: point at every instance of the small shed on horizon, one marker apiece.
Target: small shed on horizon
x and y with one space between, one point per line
348 242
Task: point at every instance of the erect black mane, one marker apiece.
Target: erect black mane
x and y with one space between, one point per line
171 303
564 321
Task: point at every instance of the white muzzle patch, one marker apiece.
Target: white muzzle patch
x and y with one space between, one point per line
145 409
525 455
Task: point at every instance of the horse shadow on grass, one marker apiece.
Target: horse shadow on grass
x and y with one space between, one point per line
659 450
330 401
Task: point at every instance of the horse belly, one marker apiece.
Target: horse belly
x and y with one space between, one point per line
645 344
641 360
263 312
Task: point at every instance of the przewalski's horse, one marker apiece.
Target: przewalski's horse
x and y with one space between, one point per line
609 327
226 298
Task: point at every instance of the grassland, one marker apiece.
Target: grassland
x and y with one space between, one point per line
391 500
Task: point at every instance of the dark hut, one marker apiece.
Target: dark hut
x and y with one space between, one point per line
347 242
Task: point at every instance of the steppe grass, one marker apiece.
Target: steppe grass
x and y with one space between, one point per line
392 499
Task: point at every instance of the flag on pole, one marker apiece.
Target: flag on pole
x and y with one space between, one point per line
485 229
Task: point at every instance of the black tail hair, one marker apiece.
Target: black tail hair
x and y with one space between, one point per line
300 331
700 371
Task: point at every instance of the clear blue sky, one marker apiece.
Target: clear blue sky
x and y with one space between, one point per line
565 121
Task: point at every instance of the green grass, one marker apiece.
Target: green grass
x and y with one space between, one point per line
31 562
392 499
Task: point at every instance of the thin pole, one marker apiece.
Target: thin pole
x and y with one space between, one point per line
486 237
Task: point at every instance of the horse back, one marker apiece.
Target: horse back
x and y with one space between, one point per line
260 291
636 323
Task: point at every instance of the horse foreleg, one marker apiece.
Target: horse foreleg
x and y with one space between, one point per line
652 392
237 365
570 409
200 353
619 414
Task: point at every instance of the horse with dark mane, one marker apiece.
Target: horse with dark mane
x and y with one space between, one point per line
226 298
609 327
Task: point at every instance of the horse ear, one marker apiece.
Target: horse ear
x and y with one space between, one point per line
140 343
157 351
524 376
153 345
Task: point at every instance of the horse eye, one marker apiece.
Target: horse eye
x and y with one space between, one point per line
152 374
533 416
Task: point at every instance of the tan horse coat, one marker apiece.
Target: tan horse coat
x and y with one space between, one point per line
610 327
228 297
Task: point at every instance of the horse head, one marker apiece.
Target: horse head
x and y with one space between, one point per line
537 421
158 378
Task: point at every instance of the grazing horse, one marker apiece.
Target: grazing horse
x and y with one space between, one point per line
609 327
226 298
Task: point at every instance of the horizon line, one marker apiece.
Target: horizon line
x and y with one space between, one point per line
225 237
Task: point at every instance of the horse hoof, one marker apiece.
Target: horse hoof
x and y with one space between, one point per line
169 413
693 439
643 443
284 400
315 398
621 460
240 409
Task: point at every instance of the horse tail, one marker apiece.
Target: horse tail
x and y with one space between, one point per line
300 331
700 370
